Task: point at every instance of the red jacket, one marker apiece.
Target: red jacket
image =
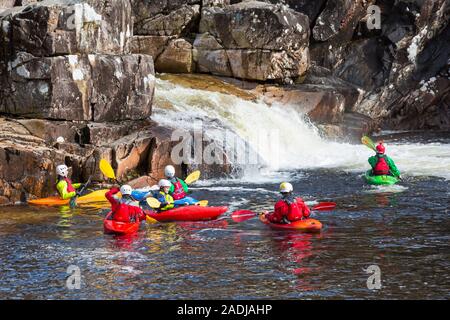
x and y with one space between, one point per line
123 212
294 211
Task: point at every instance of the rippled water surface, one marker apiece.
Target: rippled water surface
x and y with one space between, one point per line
404 229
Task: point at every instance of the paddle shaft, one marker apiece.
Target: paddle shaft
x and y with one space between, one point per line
73 201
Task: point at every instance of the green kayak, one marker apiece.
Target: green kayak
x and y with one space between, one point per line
380 180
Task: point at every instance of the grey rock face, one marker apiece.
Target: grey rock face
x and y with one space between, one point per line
85 87
253 40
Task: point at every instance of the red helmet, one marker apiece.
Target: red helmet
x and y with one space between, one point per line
380 148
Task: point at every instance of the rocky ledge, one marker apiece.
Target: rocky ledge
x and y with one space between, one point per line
85 70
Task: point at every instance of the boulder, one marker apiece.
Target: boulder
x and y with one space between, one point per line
92 87
6 4
49 131
366 64
150 45
177 57
321 104
165 18
210 56
27 165
27 162
311 8
67 27
105 133
256 25
253 40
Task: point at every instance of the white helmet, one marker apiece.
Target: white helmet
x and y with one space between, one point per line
286 187
62 170
126 190
169 171
164 183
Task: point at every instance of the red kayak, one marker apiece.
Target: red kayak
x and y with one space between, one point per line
119 228
189 213
307 225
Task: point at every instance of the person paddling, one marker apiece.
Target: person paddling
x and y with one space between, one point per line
125 209
179 189
164 196
289 208
66 188
381 164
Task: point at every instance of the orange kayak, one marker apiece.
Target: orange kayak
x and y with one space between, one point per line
96 196
50 201
119 228
307 225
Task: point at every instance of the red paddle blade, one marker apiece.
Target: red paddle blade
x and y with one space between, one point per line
242 215
324 206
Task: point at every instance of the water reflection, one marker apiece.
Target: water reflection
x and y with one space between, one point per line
297 249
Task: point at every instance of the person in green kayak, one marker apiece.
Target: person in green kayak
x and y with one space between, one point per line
164 196
381 164
179 189
66 188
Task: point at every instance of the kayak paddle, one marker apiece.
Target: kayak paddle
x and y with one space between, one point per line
324 206
193 177
150 220
243 215
202 203
153 203
73 201
107 170
368 142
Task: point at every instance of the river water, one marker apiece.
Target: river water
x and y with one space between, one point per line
402 229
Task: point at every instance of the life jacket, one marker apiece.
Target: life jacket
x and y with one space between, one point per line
381 167
178 191
295 213
286 211
129 202
70 187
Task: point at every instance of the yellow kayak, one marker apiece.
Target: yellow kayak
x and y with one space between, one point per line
96 196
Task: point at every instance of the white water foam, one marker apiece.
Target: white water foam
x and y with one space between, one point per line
296 145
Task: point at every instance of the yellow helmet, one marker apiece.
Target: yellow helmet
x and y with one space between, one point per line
286 187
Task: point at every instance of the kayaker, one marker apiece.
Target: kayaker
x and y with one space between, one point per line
125 209
289 208
179 188
65 187
164 196
381 164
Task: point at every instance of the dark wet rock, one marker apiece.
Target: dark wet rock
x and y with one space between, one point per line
366 64
311 8
339 17
165 18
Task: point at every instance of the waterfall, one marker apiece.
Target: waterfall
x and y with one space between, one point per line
278 136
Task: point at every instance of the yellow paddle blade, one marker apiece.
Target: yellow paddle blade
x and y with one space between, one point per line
153 203
150 220
203 203
368 142
194 176
106 169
